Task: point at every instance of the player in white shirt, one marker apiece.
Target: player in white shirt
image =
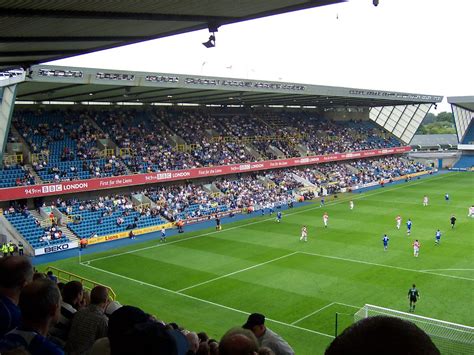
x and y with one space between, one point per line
325 219
304 234
416 248
399 221
471 211
351 204
425 201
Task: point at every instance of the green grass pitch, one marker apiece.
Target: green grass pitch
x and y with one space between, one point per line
210 281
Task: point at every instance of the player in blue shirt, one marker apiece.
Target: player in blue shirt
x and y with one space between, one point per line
278 217
438 237
385 240
408 226
163 235
322 202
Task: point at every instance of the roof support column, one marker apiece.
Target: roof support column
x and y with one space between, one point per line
6 111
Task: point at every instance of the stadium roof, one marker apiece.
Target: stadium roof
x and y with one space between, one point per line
466 102
463 110
46 83
398 112
33 32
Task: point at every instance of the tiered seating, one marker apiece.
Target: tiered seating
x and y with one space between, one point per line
197 210
70 141
465 162
15 176
146 138
88 220
212 137
31 230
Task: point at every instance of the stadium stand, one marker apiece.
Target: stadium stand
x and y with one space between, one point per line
242 193
68 145
32 231
465 162
68 140
107 216
15 175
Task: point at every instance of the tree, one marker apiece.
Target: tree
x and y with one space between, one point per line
443 123
445 116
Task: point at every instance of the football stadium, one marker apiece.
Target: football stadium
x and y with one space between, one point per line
171 213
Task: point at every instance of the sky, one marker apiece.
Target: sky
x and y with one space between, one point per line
418 46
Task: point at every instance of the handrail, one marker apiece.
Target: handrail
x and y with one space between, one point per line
69 276
13 159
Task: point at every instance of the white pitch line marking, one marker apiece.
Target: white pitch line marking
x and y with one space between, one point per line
204 301
313 313
348 305
236 272
448 270
383 265
377 192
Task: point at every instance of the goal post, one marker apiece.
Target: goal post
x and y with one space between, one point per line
450 338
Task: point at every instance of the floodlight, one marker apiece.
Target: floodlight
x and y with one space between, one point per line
211 42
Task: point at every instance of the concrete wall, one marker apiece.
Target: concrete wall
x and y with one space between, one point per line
346 116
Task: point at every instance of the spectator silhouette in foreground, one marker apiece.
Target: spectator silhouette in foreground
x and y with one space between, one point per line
72 295
40 302
15 273
266 337
382 335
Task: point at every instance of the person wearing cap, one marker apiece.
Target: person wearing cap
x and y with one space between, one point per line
132 331
266 337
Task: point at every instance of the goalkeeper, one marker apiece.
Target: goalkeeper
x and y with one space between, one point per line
413 296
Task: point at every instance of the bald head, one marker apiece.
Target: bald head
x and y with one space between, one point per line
238 341
99 295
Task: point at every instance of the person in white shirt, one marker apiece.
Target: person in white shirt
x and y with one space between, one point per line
304 234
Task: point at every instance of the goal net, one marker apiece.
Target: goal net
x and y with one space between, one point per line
450 338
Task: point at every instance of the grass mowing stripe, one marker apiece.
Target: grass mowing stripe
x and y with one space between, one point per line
313 313
236 272
377 192
203 300
383 265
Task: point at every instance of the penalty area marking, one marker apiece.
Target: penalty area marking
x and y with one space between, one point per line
313 313
302 210
383 265
323 308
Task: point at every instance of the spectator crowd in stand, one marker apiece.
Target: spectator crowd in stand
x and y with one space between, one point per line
69 148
